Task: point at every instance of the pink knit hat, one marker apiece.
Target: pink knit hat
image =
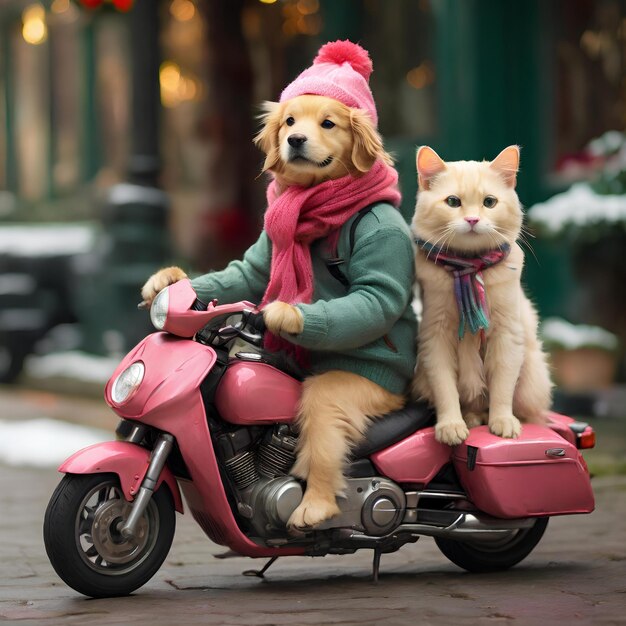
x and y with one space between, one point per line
341 71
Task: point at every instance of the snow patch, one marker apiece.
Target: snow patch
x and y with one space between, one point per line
37 240
74 364
44 442
557 332
578 206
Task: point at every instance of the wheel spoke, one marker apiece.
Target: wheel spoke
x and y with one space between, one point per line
103 495
91 551
86 522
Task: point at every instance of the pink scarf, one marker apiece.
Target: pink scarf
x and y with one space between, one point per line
301 215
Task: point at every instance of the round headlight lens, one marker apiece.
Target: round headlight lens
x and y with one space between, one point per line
127 382
159 308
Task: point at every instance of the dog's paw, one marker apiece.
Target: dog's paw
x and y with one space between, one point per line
475 419
280 317
311 512
159 281
505 426
451 432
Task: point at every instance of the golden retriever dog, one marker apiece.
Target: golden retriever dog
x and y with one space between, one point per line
308 140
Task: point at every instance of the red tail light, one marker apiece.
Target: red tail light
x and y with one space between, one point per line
586 439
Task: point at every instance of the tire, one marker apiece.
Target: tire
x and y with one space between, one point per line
483 557
84 545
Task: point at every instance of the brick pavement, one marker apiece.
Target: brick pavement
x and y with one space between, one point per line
577 573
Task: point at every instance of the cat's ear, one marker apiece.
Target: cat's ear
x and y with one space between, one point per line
507 164
429 164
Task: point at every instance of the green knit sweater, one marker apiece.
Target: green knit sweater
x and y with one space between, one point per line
368 328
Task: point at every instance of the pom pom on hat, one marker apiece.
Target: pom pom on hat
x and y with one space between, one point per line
340 52
340 71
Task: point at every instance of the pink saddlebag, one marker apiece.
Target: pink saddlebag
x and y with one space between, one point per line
538 474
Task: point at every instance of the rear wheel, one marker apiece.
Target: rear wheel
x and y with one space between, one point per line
83 540
492 556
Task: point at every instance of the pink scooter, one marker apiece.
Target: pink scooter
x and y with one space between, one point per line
205 411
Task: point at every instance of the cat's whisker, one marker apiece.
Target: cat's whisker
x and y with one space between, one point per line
526 244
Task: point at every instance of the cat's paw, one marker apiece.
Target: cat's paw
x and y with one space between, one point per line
451 432
507 426
280 317
475 419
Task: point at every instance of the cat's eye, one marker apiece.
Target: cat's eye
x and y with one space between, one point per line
490 202
290 121
327 124
453 201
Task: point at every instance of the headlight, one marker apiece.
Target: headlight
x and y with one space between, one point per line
158 310
127 382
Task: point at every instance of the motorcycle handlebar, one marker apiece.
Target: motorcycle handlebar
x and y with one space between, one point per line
255 320
198 305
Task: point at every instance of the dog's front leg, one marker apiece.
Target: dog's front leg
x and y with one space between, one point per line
280 317
158 281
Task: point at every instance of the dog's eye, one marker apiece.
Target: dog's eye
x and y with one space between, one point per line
490 202
290 121
453 201
327 124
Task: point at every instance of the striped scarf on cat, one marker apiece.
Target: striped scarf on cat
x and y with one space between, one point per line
469 285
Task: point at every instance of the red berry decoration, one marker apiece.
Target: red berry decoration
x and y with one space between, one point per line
123 5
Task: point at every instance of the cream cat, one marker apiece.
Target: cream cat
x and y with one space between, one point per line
475 360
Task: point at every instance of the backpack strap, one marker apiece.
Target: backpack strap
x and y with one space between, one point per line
333 264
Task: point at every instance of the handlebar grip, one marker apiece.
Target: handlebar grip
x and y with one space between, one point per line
198 305
256 321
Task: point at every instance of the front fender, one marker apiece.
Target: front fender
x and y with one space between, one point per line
128 460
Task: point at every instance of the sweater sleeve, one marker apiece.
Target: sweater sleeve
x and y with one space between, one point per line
380 273
239 280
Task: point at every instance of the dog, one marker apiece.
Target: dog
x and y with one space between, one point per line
328 163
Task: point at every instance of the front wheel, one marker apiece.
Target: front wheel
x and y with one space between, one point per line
485 556
82 535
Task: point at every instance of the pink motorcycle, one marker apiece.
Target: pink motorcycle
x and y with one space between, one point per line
206 412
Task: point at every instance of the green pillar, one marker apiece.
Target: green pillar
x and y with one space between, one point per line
134 216
9 107
91 127
494 89
342 19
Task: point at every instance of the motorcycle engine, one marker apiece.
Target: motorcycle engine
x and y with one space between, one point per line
267 495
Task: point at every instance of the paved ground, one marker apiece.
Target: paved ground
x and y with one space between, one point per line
577 574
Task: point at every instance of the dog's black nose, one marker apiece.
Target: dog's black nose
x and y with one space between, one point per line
296 140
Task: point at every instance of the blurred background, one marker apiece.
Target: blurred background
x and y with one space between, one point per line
125 145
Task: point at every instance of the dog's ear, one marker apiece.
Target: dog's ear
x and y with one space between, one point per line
267 138
368 145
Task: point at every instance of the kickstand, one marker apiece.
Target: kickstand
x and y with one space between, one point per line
260 573
376 565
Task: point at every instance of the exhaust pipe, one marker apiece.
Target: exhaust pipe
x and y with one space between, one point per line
471 527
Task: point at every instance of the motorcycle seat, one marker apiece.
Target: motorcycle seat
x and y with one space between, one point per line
393 427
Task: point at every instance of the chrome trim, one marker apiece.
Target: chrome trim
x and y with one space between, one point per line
555 452
158 458
137 434
470 526
441 495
